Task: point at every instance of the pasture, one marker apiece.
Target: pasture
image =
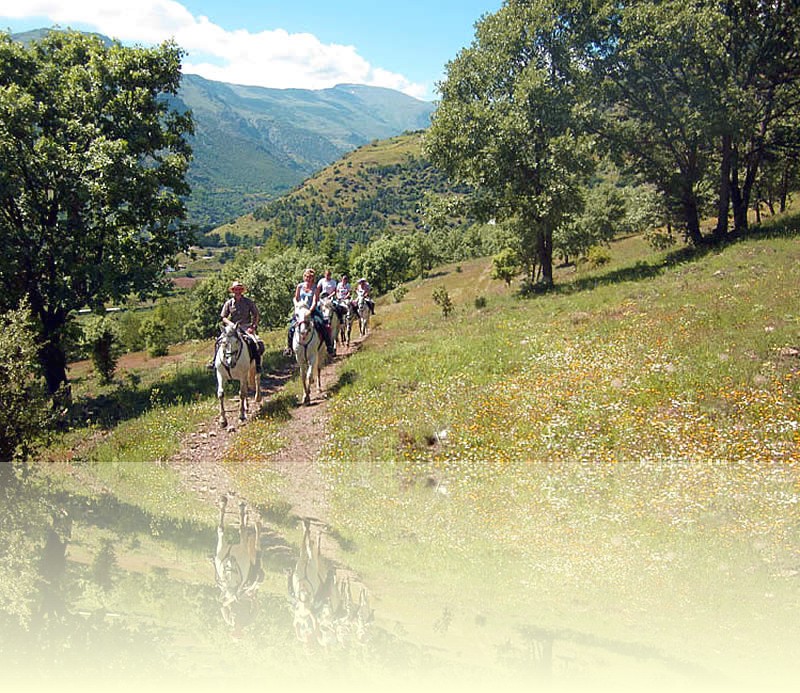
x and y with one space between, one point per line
591 489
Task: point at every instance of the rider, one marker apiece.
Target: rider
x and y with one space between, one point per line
242 312
327 287
363 289
307 292
343 291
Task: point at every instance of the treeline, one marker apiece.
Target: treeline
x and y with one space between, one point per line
360 203
698 100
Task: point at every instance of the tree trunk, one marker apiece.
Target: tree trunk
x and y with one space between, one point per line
724 202
545 253
784 190
54 363
691 216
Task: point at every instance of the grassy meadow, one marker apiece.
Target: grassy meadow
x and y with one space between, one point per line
594 488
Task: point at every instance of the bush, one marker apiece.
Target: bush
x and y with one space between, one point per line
442 299
156 337
598 256
399 293
102 340
24 409
480 302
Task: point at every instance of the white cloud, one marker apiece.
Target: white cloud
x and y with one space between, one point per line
272 58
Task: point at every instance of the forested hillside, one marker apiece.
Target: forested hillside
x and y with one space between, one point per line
252 144
377 189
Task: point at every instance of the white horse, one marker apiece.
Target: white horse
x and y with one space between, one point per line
309 349
328 309
233 362
363 310
237 567
346 328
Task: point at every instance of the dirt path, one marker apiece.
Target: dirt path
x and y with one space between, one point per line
200 459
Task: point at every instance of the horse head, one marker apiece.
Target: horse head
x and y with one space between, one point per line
304 321
230 346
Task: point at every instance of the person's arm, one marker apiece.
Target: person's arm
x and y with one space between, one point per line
315 298
225 312
297 293
255 317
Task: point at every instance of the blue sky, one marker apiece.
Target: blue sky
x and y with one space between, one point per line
308 44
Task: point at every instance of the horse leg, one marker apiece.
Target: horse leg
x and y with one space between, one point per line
242 399
307 375
219 555
223 420
256 377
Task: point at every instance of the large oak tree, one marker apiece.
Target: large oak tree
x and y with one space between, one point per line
507 123
92 177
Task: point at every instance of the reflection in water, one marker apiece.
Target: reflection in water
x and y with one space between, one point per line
238 569
325 614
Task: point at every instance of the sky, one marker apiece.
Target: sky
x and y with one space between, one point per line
305 44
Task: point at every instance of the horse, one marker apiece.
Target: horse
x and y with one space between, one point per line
234 362
363 310
237 567
316 600
346 326
327 307
309 349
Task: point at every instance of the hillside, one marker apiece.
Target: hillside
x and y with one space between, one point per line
378 188
253 144
595 488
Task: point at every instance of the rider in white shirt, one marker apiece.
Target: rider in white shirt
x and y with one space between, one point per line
363 289
327 285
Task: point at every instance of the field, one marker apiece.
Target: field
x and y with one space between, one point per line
593 489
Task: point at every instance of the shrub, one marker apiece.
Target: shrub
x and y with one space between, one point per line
156 337
399 293
23 403
480 302
102 340
442 299
598 256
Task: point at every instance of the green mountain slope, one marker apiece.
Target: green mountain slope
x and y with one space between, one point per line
378 188
252 144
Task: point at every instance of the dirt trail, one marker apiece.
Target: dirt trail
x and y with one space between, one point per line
200 459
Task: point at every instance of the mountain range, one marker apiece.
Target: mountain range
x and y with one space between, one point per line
252 144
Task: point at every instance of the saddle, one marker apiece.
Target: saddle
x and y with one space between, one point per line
254 345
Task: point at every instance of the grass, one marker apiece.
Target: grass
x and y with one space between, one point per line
611 470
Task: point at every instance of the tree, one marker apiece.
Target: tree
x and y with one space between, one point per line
92 177
23 410
692 93
507 123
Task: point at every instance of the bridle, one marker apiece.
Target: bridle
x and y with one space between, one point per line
231 353
304 330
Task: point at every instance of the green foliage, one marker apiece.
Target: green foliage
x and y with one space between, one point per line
442 299
23 403
507 125
156 336
505 265
598 256
399 292
676 95
480 302
92 175
128 325
102 339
